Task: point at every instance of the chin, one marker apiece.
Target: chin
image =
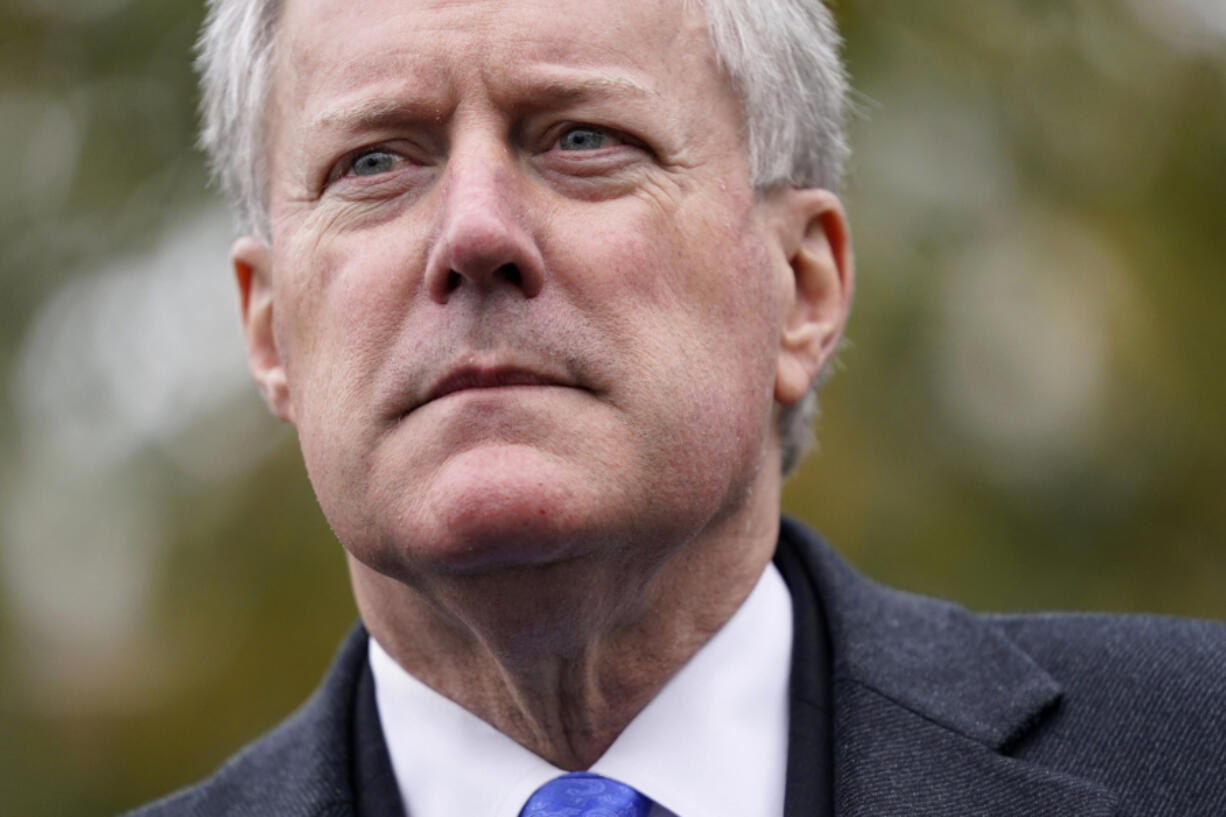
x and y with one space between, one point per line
503 506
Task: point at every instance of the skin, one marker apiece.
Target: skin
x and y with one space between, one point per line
533 326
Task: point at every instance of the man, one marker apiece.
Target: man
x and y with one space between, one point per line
545 288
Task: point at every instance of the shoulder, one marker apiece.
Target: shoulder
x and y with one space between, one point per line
299 769
1156 664
1162 648
261 773
1131 705
1143 703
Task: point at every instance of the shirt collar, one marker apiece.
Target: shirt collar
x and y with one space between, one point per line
712 743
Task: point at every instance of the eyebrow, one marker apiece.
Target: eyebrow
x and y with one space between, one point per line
560 89
541 92
376 113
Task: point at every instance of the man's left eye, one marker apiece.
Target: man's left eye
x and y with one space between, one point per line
583 137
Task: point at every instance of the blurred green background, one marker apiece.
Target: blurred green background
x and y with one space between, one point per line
1030 412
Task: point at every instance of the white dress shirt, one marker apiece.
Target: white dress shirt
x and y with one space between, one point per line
712 743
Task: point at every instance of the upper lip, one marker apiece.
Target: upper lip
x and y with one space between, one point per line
489 377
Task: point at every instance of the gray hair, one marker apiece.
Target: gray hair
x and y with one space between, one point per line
782 57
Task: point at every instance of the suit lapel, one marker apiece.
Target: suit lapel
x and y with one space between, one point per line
890 760
926 701
809 790
375 791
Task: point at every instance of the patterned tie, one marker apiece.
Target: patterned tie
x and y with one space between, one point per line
582 794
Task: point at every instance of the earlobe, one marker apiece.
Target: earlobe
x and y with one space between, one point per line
252 263
815 241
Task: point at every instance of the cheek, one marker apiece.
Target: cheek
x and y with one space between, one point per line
695 284
343 308
343 304
690 315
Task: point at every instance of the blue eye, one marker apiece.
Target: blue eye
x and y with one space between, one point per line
373 163
582 138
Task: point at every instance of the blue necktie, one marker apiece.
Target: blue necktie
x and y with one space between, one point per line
582 794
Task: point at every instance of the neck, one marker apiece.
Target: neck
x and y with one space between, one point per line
562 657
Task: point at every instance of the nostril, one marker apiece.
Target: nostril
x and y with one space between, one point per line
484 280
509 273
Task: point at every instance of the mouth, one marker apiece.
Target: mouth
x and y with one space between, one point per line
498 377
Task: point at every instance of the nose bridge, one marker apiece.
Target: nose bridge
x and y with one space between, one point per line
484 240
479 193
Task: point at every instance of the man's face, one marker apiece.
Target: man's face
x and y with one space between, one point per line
522 295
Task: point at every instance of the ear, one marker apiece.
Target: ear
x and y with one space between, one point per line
816 244
252 262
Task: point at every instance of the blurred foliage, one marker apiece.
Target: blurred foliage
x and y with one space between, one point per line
1030 412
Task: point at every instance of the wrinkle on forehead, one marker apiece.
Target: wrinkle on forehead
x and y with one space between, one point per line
547 90
492 32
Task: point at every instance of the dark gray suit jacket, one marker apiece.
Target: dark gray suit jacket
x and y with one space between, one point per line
901 705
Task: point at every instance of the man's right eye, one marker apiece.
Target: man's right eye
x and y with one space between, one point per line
373 162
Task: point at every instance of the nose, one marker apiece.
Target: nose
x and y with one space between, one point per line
484 241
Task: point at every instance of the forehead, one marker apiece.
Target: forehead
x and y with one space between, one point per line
328 47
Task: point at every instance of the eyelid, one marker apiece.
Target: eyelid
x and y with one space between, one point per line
565 129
